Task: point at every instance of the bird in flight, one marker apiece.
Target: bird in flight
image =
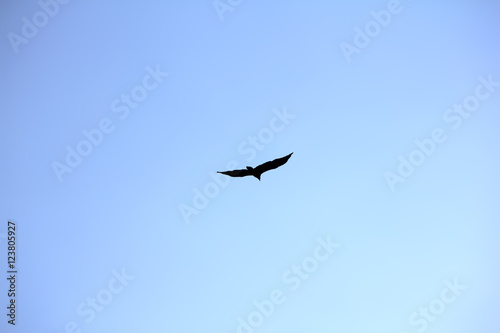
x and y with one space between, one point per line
258 170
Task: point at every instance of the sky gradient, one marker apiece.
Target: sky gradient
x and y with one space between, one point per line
117 115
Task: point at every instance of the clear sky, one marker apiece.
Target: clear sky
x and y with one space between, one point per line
116 116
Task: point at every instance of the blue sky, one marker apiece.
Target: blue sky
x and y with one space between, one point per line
116 117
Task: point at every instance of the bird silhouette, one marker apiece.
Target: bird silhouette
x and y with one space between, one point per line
258 170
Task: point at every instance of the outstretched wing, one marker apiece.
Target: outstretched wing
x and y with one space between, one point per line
236 173
272 164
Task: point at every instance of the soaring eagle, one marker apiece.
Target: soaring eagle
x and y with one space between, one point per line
258 170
